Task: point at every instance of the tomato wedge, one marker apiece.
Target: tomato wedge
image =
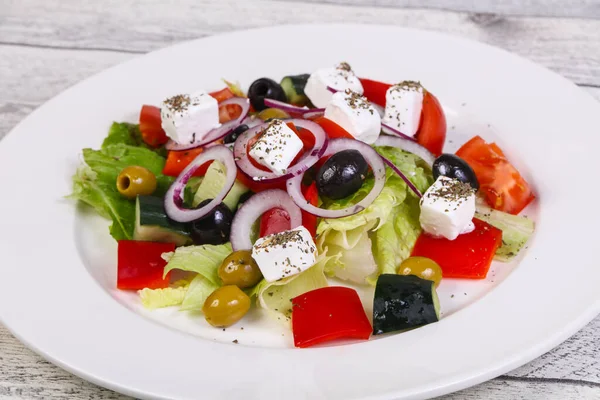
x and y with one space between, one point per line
140 265
375 91
432 129
502 185
327 314
277 220
468 256
151 128
332 129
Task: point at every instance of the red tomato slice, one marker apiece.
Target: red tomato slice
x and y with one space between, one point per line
375 91
332 129
468 256
327 314
140 265
432 129
277 220
502 185
222 95
150 126
178 160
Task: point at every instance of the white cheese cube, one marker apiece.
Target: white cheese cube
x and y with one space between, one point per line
403 106
448 208
187 118
355 114
276 147
284 254
340 77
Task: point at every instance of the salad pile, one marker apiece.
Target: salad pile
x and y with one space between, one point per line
277 196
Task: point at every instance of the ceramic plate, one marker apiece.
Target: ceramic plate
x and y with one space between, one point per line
58 261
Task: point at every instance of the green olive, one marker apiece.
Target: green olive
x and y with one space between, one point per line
240 269
134 180
422 267
272 113
226 306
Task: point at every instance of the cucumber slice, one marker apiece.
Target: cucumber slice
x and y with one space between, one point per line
293 86
402 302
153 225
213 182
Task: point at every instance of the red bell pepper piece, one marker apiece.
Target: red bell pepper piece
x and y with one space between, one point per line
277 220
140 265
332 129
326 314
468 256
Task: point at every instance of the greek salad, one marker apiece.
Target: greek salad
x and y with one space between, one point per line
278 196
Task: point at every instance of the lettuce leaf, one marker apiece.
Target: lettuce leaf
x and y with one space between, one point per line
94 183
276 297
129 134
384 233
200 288
204 260
167 297
516 230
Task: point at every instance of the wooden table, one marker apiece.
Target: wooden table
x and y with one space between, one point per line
48 45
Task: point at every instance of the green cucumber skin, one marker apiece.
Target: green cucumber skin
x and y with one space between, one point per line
293 86
402 302
153 224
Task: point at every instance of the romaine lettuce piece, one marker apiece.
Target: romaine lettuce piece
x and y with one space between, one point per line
204 260
129 134
167 297
200 288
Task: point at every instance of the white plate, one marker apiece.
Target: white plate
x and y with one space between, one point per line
58 261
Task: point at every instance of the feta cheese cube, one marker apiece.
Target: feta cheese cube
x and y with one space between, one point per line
276 147
355 114
403 106
448 208
340 77
187 118
284 254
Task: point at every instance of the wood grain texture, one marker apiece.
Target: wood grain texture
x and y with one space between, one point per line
45 47
568 46
533 8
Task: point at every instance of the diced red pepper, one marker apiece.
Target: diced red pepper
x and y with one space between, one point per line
328 314
468 256
140 265
178 160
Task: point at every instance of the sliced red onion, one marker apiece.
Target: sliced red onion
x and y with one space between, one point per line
309 158
315 113
404 177
394 132
336 145
332 90
253 208
174 197
289 108
252 121
407 145
217 133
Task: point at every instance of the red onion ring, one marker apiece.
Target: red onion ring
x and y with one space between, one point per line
174 196
394 132
217 133
316 112
335 146
332 90
309 158
253 208
289 108
404 177
407 145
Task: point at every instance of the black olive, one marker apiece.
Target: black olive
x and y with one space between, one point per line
265 87
455 167
342 174
213 228
232 137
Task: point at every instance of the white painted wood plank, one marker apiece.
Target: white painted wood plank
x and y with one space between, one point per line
534 8
568 46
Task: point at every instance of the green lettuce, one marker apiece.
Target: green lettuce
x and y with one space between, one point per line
276 297
516 230
129 134
204 260
166 297
384 233
200 288
94 183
